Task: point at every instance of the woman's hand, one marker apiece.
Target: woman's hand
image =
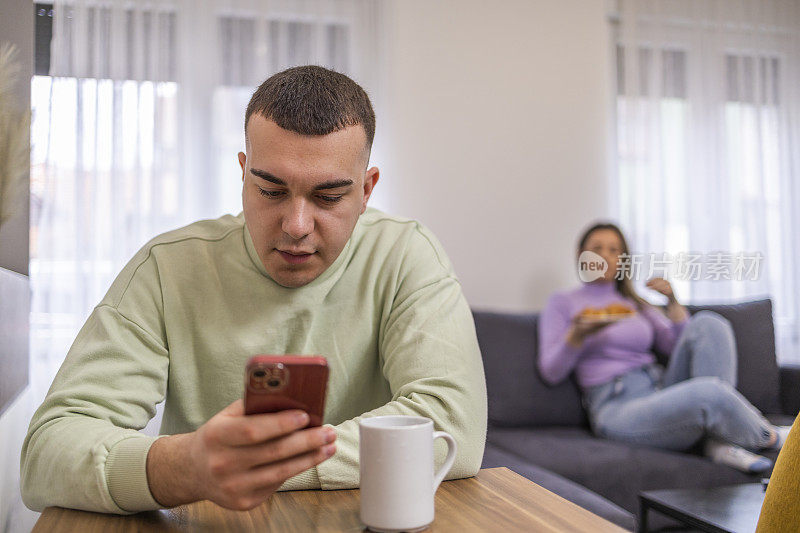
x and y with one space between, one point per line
581 329
675 311
663 286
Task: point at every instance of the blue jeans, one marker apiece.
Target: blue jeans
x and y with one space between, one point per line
693 398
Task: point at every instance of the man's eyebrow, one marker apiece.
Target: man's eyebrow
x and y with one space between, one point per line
331 184
263 174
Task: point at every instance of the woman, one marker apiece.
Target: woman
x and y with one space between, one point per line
627 395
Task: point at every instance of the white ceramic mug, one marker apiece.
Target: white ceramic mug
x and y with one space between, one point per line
397 477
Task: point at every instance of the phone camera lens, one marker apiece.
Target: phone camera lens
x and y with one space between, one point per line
274 382
259 373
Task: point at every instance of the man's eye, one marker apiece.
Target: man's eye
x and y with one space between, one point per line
269 194
330 199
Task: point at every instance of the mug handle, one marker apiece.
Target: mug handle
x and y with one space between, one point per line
448 461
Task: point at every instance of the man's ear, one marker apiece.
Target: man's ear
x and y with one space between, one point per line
242 163
370 179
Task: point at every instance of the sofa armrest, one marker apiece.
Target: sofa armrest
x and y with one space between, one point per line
790 390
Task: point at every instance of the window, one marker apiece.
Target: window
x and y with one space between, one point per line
137 120
704 162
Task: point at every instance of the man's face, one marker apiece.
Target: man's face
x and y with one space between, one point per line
302 196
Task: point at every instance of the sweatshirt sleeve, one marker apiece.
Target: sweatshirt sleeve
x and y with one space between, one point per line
556 357
83 449
666 332
431 360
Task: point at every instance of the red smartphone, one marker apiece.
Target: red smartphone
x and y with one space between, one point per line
275 383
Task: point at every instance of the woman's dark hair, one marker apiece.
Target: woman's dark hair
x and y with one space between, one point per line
623 282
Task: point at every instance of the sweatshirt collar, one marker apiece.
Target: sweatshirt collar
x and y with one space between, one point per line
599 288
251 251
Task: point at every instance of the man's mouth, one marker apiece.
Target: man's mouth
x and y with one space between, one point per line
295 257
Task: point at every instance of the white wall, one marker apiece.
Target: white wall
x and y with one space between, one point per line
492 131
14 516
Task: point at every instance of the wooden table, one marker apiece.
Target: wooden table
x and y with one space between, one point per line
497 499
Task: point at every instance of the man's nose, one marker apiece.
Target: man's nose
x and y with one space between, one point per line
298 221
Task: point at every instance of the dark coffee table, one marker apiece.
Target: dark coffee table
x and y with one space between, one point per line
732 509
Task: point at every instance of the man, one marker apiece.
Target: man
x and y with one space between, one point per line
305 269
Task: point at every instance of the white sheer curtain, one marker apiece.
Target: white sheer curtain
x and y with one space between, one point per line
708 160
136 130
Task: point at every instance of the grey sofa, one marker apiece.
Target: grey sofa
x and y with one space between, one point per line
542 432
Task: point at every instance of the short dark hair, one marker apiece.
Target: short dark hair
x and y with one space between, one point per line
313 100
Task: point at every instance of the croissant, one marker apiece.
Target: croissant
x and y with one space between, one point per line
611 310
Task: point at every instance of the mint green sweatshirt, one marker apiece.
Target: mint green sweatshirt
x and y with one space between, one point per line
185 314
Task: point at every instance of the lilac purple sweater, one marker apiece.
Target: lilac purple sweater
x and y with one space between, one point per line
614 350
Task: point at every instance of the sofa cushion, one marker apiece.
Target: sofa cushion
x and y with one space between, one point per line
758 372
494 457
517 395
614 470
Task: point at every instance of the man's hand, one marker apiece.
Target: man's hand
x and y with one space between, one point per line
234 460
